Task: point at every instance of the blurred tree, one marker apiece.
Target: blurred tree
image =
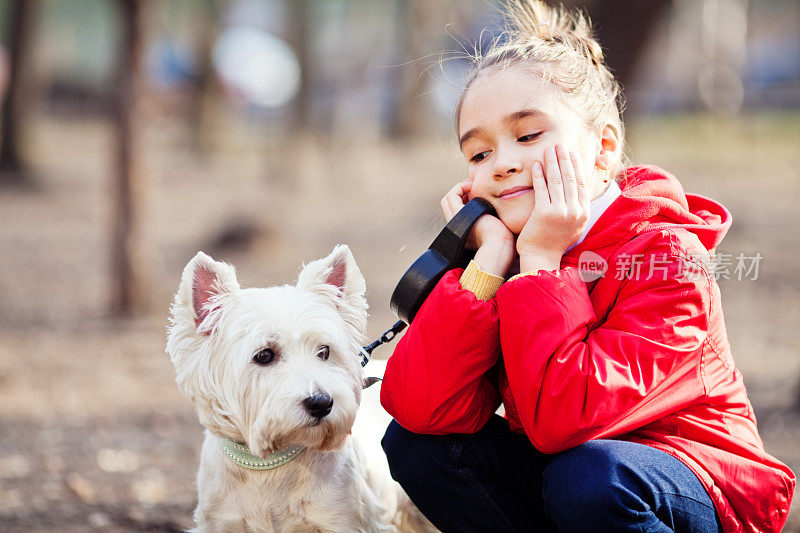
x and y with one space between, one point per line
398 117
19 18
128 295
724 48
300 34
204 93
623 27
415 20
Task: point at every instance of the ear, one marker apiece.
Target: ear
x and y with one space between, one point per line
338 277
202 282
610 147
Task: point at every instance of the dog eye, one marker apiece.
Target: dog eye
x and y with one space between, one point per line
324 352
264 357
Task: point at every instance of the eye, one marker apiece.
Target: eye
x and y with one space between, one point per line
264 357
529 137
477 158
323 352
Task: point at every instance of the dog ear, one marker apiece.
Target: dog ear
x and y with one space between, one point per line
339 277
203 279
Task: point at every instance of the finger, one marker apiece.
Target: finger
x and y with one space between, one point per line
568 175
467 189
455 204
580 181
446 202
453 201
456 191
553 174
447 207
541 196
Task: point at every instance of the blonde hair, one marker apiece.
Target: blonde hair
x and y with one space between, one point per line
560 47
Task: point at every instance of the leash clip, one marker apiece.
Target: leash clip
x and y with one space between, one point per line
366 351
387 336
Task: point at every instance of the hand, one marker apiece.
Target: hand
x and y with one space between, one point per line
488 228
492 240
560 212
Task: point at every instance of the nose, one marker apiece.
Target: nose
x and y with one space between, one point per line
506 163
318 405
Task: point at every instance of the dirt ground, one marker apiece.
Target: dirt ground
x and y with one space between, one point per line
93 431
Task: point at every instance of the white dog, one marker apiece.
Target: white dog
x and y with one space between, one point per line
276 377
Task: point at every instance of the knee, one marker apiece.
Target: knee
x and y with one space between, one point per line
587 483
405 452
396 443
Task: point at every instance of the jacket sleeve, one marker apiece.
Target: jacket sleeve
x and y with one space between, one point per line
642 362
436 380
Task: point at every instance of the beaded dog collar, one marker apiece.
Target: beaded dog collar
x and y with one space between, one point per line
240 454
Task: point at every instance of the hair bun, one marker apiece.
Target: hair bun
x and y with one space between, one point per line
593 49
582 32
533 20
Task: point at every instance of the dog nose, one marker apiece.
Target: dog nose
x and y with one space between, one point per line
319 405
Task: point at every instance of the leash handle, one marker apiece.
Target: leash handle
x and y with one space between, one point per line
447 251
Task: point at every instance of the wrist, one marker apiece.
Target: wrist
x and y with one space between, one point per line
539 260
495 257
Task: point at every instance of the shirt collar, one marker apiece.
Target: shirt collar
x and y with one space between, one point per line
597 207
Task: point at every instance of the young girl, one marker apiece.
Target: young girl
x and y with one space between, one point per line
623 408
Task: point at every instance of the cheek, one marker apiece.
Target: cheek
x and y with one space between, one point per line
516 217
480 188
589 148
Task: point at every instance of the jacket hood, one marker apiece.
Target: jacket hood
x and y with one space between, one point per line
653 199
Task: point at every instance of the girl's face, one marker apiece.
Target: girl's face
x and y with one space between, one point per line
508 118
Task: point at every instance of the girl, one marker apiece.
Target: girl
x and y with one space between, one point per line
623 408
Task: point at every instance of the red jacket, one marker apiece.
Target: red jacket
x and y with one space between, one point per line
640 354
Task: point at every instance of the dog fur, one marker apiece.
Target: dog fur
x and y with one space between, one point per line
341 481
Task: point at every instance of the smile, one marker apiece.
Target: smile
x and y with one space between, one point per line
514 192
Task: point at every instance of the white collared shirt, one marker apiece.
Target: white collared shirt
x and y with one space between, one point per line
597 207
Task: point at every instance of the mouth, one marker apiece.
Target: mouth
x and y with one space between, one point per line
513 192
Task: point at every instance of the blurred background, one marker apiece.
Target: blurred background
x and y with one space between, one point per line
134 133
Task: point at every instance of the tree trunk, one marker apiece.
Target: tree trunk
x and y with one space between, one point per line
204 93
623 27
128 295
300 35
12 171
405 115
724 48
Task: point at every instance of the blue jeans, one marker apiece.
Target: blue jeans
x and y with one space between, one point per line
495 480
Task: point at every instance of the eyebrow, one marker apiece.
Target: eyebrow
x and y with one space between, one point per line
510 118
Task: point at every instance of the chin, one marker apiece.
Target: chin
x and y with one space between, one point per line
515 216
514 222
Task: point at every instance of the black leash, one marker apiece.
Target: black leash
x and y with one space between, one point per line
445 252
366 351
387 336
